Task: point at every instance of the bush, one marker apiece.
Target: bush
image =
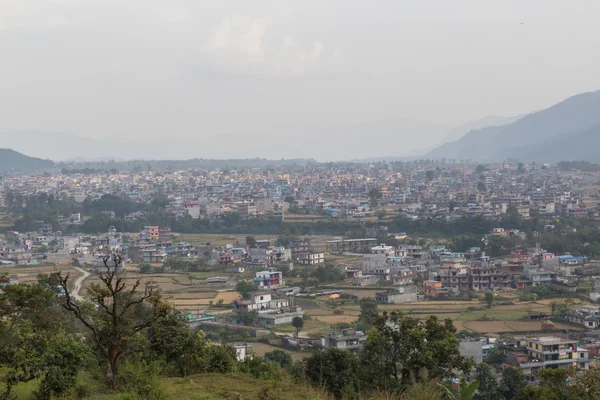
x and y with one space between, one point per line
338 311
140 380
260 369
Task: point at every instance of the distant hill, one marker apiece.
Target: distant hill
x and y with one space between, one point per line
485 122
13 161
565 131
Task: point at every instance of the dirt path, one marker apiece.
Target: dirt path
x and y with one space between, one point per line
78 283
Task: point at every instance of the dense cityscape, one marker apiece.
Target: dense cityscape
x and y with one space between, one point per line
279 261
299 200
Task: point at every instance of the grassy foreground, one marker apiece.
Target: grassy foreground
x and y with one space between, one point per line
207 387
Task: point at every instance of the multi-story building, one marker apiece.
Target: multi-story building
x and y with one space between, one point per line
554 352
268 279
312 258
433 289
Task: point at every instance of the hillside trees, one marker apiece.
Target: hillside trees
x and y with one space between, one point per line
125 314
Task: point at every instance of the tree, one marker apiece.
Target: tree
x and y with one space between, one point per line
375 195
123 315
430 174
488 385
250 241
520 168
244 288
381 214
451 205
334 370
33 340
494 357
481 187
366 318
401 350
281 357
512 383
479 169
146 268
298 323
489 299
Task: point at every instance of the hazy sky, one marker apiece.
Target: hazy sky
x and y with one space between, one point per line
197 68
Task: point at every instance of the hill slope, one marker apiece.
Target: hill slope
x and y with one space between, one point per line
534 137
12 161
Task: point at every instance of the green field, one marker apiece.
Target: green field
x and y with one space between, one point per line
199 387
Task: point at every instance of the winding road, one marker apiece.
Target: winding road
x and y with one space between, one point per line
78 283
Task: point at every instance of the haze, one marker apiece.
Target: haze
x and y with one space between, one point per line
282 79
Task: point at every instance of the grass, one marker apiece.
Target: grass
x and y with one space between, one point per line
204 387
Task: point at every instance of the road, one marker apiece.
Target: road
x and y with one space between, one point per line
78 283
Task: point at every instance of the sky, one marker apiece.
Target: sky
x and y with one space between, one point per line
204 70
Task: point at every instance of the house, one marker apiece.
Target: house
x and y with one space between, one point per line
346 339
366 280
433 289
586 316
538 276
554 352
243 352
261 302
312 258
282 316
405 294
268 279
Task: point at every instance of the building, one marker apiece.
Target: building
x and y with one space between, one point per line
586 316
312 258
346 339
340 246
404 294
433 289
153 232
268 279
261 302
554 352
538 276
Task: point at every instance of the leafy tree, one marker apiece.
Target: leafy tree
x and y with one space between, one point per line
244 288
33 342
366 318
281 357
381 214
512 383
489 299
488 385
374 196
250 241
401 350
430 174
335 370
494 357
520 168
481 187
124 315
298 323
146 268
479 169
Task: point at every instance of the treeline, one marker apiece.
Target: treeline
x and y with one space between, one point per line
584 166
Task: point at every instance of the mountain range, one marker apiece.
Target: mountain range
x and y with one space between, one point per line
12 161
567 131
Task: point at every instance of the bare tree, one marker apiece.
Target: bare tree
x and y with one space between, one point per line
121 314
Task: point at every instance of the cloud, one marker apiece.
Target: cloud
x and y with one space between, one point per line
243 44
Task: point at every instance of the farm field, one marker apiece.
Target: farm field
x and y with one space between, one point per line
467 315
318 242
29 273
